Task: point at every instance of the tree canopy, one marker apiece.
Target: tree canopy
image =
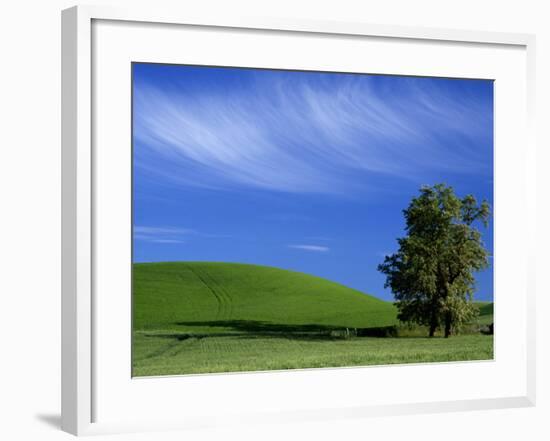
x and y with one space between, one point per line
432 273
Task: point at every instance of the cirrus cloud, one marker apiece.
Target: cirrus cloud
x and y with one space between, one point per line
309 132
315 248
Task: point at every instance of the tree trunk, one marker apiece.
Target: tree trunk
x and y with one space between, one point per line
432 329
434 322
448 329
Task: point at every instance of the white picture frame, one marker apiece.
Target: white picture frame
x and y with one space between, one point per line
80 347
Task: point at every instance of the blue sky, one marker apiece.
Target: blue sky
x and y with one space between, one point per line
306 171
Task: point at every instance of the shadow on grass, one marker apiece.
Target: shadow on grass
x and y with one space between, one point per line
256 329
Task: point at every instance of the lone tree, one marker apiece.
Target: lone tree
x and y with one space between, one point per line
431 275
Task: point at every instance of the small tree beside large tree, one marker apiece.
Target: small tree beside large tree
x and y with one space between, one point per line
432 273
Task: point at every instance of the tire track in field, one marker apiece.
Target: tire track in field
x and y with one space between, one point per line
220 300
224 293
159 352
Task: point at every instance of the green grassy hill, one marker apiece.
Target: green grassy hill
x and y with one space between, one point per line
204 317
169 296
485 313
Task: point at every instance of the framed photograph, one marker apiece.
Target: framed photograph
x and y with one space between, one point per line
277 220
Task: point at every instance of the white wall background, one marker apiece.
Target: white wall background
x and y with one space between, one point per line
30 217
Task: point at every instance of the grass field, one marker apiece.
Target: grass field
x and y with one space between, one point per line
485 313
198 317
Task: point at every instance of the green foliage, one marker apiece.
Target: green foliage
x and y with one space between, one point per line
431 275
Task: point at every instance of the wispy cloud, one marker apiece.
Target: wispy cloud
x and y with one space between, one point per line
162 234
305 133
171 234
315 248
162 230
